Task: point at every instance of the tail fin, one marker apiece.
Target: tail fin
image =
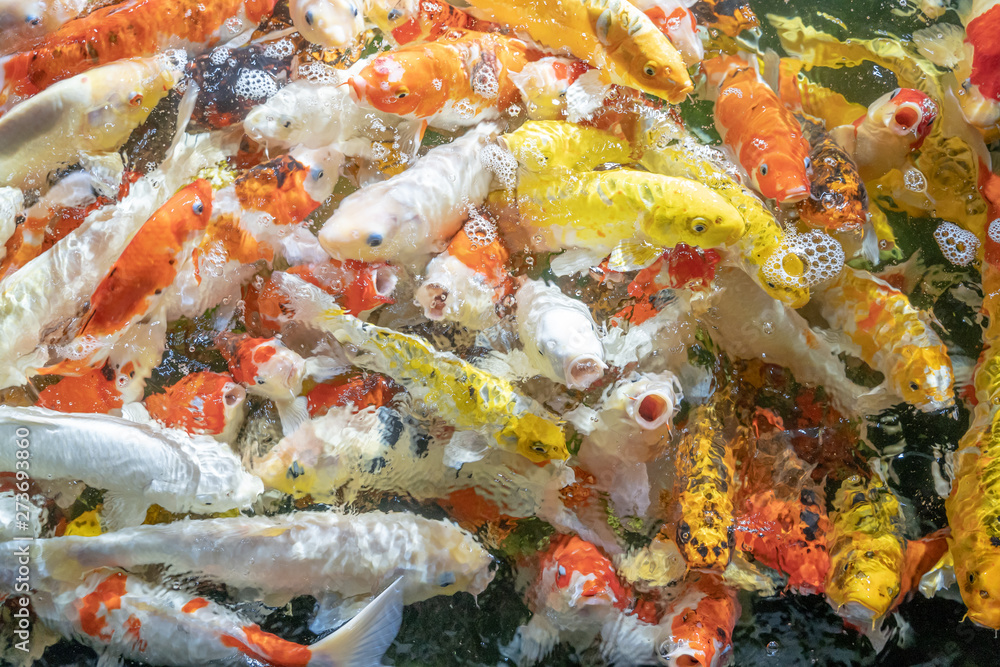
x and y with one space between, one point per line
363 640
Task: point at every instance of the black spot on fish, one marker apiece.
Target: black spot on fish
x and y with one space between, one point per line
995 541
392 426
421 444
108 372
731 536
295 470
858 498
377 464
808 497
722 633
702 551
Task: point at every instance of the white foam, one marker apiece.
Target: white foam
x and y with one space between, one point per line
958 245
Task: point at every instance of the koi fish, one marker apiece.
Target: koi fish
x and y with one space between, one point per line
280 188
470 399
972 512
408 21
414 212
358 390
762 133
331 23
731 18
698 628
748 324
120 614
458 80
129 30
202 403
838 200
559 335
95 391
179 472
706 468
866 551
22 21
676 21
598 210
612 35
89 114
355 285
894 337
544 85
680 267
669 149
467 281
348 453
896 124
349 554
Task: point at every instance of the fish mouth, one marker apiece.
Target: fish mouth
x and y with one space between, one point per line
433 297
906 118
794 194
384 279
358 88
584 370
652 409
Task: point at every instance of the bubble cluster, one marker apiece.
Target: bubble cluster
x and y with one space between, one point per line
993 231
485 83
480 230
252 84
219 55
502 163
959 245
804 260
280 49
318 73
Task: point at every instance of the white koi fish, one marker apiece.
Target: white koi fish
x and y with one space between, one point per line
138 464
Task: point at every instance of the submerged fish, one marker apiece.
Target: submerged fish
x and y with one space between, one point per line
201 403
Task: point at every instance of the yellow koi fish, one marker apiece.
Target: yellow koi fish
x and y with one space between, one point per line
612 35
705 463
895 338
866 550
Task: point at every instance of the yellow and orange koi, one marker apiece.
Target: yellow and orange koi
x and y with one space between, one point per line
894 337
762 133
707 467
838 200
278 188
201 403
458 80
407 21
613 35
698 628
866 551
678 24
131 29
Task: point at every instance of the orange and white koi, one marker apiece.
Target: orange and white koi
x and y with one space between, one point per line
680 267
359 390
406 21
763 134
203 403
458 80
894 337
22 21
132 29
677 22
122 615
264 366
94 391
697 630
706 470
896 124
416 212
545 83
348 554
866 551
467 281
356 286
179 472
612 35
89 114
559 335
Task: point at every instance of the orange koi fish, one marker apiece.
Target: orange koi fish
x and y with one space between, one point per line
680 267
896 124
360 389
357 286
731 17
201 403
457 81
466 282
279 188
763 134
838 200
981 32
94 391
127 30
678 24
112 611
580 575
700 624
263 365
407 21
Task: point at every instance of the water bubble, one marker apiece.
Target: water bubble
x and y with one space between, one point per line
772 649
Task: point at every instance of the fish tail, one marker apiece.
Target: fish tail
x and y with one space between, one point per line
364 639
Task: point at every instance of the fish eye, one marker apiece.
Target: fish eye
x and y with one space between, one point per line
309 17
317 173
394 14
562 570
699 225
762 169
198 207
135 100
374 240
809 163
538 448
649 69
354 10
770 284
895 92
914 386
402 92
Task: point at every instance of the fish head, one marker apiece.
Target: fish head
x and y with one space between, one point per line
356 231
905 113
790 295
372 286
655 66
407 82
330 23
926 379
781 177
574 573
280 375
223 483
192 206
538 439
979 582
714 222
276 122
543 85
201 403
678 24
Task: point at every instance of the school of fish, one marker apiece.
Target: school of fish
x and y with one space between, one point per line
365 302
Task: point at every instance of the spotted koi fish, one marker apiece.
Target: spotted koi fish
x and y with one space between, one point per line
698 628
838 200
407 21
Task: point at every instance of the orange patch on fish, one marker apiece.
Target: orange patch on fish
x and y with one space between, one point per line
357 286
568 554
95 391
278 189
197 403
982 32
108 594
268 648
193 605
363 390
